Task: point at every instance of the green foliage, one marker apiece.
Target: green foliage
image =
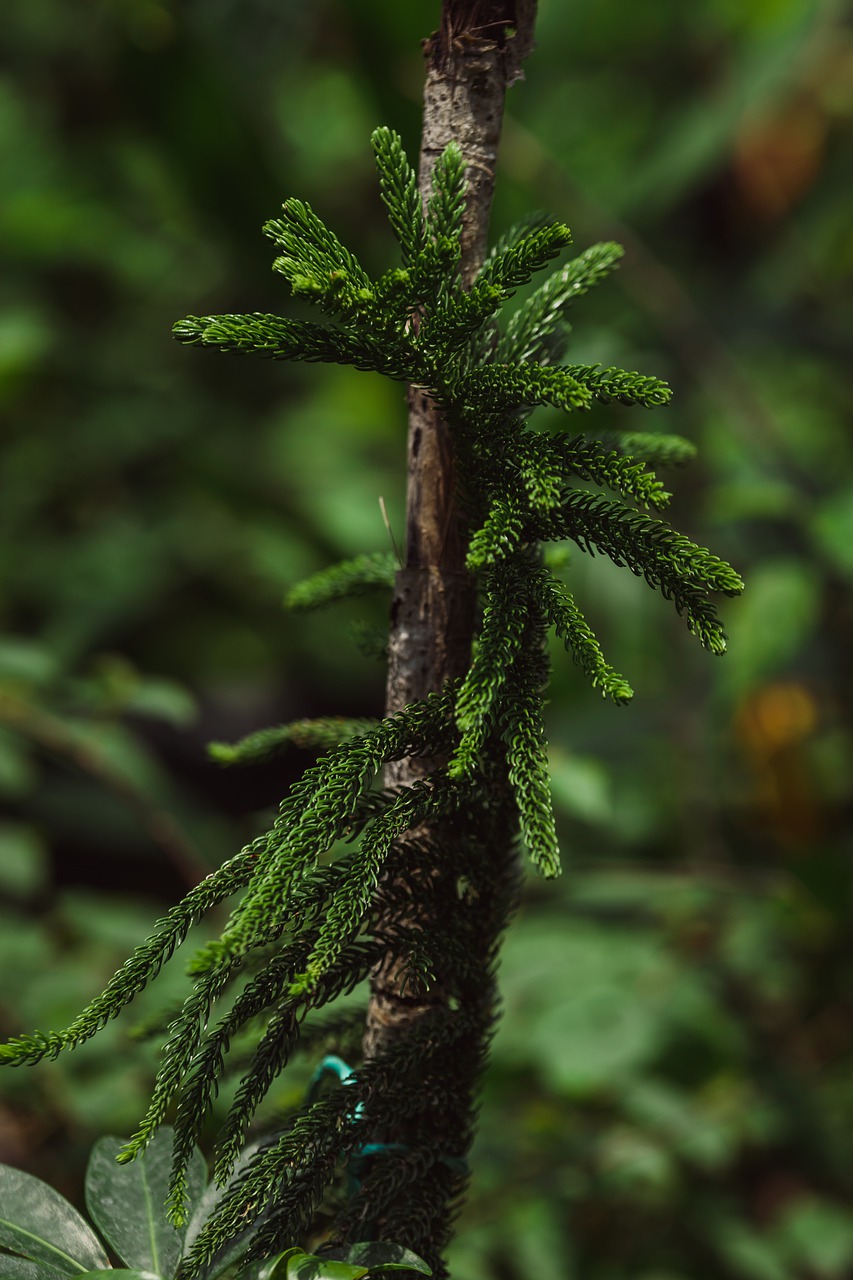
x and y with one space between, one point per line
41 1234
445 206
125 1203
307 927
157 505
641 1076
538 330
398 183
341 580
327 732
359 1262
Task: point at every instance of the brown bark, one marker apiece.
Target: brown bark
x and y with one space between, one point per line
471 60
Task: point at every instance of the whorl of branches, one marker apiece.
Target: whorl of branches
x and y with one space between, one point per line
307 925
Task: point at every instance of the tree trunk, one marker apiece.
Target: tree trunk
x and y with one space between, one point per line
471 60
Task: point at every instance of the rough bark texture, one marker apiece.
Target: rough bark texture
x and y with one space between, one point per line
471 60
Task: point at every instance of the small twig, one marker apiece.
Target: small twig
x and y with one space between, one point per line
387 523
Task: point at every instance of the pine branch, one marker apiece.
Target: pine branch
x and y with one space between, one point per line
202 1084
434 272
681 570
498 643
557 604
315 262
443 331
623 473
537 331
617 384
319 811
325 732
507 387
399 186
520 261
144 964
350 577
275 338
540 471
270 1058
659 450
523 732
347 911
318 1137
512 237
446 205
177 1055
274 1050
499 536
313 921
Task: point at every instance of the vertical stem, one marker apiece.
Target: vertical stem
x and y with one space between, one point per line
471 60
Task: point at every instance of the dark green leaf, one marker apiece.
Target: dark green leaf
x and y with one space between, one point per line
308 1267
379 1256
39 1223
127 1202
237 1247
24 1269
120 1271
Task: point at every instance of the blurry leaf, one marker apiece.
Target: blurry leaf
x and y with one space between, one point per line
345 455
751 945
831 758
675 1117
17 774
24 867
695 1011
324 117
24 661
468 1253
588 1033
754 496
818 1236
833 529
107 1089
163 700
670 896
773 621
581 786
535 1240
630 1163
25 339
114 751
111 920
749 1255
128 1201
39 1223
26 947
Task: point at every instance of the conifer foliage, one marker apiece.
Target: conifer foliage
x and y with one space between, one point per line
313 920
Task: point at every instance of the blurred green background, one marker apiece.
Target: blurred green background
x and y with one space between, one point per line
671 1096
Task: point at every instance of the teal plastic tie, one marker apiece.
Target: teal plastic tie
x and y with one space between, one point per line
332 1065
